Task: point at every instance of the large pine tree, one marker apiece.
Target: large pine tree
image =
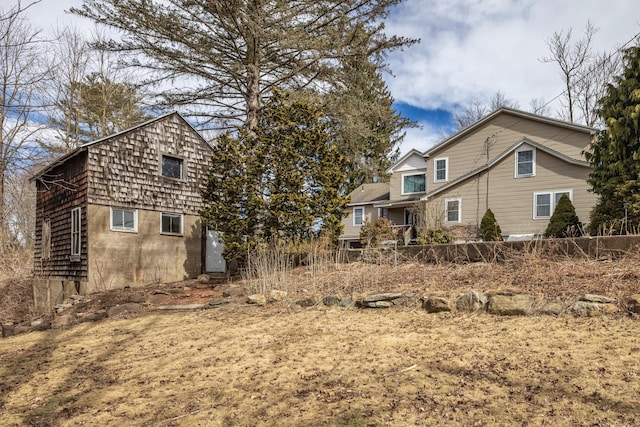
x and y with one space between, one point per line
615 154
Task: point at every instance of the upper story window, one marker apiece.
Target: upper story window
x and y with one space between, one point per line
124 220
441 170
358 216
525 162
414 183
172 167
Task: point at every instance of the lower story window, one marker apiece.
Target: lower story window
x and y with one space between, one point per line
544 203
124 220
171 223
75 231
453 211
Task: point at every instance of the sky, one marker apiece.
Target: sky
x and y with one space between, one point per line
468 51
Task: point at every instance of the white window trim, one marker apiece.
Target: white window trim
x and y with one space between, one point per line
533 160
381 212
552 194
355 208
183 169
181 233
413 174
123 229
76 228
446 169
446 217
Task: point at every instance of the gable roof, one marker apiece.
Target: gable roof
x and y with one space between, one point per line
404 158
505 153
367 193
518 113
84 147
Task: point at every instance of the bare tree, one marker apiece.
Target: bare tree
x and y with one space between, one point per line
572 60
539 106
22 77
478 109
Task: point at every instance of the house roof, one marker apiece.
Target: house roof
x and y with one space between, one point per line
84 147
518 113
505 153
368 193
403 159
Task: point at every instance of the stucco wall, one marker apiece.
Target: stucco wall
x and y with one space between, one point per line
119 258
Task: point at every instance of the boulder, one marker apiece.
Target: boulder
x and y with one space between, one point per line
508 303
383 297
203 279
592 309
7 329
93 316
376 304
41 325
472 301
346 301
306 302
64 321
334 299
257 299
277 295
552 309
633 303
22 329
136 297
124 309
601 299
233 291
436 304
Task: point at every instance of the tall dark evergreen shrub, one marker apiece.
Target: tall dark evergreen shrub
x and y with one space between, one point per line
564 222
489 227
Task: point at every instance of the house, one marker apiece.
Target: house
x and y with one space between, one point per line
123 211
516 163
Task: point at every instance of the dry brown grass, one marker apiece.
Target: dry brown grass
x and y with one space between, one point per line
241 365
16 294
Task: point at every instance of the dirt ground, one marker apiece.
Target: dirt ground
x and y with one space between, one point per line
282 364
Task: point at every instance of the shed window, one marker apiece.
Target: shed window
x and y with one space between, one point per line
171 223
172 167
75 231
45 253
124 220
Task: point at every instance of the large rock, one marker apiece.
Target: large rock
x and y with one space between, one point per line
472 301
41 325
307 302
633 303
203 279
330 300
436 304
346 301
552 309
507 303
277 295
64 321
233 291
257 299
7 329
593 305
382 297
124 309
93 316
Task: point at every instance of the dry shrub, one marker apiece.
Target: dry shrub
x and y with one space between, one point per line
16 293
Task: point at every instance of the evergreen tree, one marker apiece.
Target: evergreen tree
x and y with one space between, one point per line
615 153
233 53
279 181
489 227
564 222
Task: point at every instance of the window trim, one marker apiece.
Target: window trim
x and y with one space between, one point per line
404 175
76 232
446 169
355 208
552 199
533 162
446 210
123 229
174 215
183 166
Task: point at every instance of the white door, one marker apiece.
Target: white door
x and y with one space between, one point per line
215 263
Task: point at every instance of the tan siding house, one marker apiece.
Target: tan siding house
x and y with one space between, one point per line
123 210
517 164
